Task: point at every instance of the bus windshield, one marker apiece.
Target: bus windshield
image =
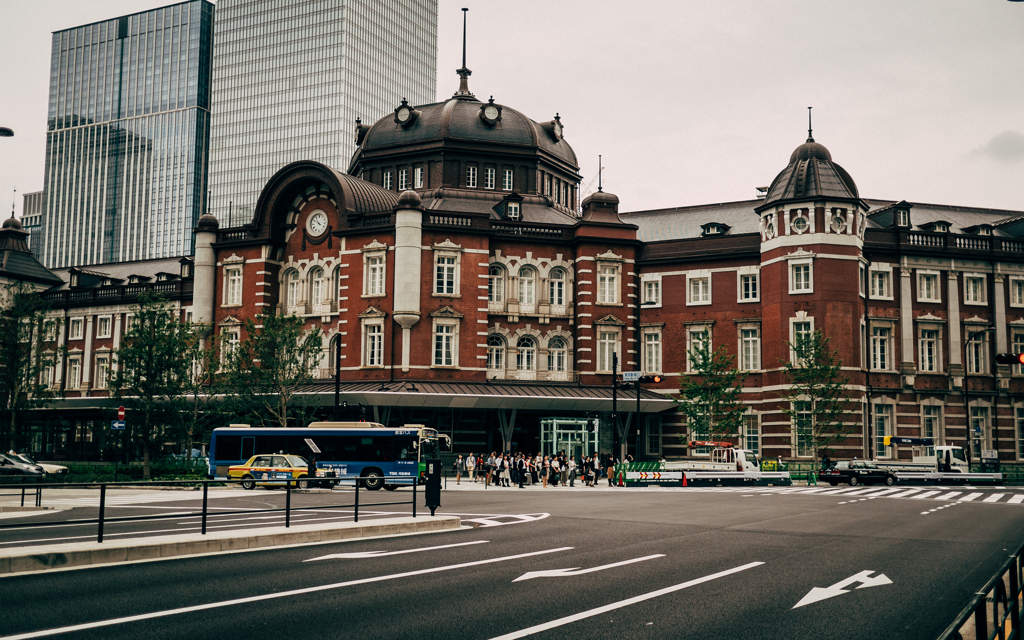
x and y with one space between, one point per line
429 449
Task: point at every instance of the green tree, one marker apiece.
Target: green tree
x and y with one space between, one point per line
816 395
266 370
152 370
710 396
202 388
24 328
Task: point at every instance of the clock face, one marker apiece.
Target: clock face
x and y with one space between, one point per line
403 114
316 223
558 130
491 113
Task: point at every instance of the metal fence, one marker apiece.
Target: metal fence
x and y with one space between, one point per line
103 520
995 610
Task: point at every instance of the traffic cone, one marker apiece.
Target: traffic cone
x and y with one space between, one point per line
621 476
684 478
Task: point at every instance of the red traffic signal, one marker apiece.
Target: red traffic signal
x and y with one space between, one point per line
647 379
1010 358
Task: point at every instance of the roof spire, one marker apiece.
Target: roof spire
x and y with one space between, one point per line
464 73
810 138
14 200
599 172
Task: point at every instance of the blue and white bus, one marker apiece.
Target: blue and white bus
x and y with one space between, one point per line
381 456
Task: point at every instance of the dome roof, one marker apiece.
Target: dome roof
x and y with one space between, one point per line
207 222
12 223
810 174
459 119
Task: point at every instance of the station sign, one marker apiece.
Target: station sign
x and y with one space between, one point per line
631 376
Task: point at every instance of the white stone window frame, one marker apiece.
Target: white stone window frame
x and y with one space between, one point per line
740 346
921 275
364 342
403 179
799 318
795 214
880 268
924 325
445 322
883 407
1016 342
981 344
292 305
229 330
939 435
1016 286
890 344
748 272
471 176
652 330
566 354
234 275
75 372
982 290
501 353
606 366
370 252
550 281
692 279
862 279
417 173
447 249
76 328
692 329
490 177
507 179
986 430
792 269
109 320
646 300
387 180
102 382
615 288
842 214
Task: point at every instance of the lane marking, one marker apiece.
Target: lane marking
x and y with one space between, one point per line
994 497
380 554
926 494
576 571
817 594
951 494
522 633
1017 499
274 596
970 497
909 492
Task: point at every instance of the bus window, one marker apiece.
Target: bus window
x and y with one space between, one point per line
430 449
405 448
248 447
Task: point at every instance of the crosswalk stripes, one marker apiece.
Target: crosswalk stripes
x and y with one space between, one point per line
943 494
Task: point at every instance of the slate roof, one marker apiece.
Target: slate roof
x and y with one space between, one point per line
531 212
16 259
959 218
119 271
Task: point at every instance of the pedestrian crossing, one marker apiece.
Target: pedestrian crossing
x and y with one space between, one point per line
941 494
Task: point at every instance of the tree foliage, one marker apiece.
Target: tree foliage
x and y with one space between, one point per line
153 369
816 394
710 396
265 370
23 357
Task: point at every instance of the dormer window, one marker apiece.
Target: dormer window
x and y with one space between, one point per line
107 282
714 229
984 231
74 279
940 227
902 218
512 211
134 279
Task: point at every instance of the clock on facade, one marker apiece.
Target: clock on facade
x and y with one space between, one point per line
490 113
405 114
316 223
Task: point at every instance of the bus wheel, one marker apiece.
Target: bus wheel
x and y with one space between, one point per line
303 483
248 483
373 480
390 487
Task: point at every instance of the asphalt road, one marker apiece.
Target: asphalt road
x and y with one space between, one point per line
686 564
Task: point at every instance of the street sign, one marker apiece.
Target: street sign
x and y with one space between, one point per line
631 376
117 424
120 413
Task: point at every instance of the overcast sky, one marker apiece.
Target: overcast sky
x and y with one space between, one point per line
689 101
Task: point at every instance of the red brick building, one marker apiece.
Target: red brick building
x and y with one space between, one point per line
455 277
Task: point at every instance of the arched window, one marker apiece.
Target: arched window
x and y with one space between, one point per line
317 291
291 284
527 285
495 284
495 352
556 287
526 354
557 354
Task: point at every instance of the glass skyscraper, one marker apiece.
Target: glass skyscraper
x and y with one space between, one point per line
290 77
127 136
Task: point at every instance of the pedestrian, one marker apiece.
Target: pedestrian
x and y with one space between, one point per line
556 470
596 464
611 470
521 468
572 471
544 473
470 466
506 466
311 471
460 464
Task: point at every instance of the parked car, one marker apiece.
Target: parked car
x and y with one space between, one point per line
856 472
49 469
11 466
271 470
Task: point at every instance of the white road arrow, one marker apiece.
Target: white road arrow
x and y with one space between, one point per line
839 588
380 554
576 571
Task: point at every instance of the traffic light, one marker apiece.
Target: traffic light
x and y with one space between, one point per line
647 379
1010 358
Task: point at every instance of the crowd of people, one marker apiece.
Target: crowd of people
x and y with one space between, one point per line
507 470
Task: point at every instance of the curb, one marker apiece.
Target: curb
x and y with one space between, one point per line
83 554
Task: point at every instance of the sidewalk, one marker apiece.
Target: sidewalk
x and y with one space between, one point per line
81 554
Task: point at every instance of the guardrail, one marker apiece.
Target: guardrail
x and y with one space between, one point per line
102 520
24 489
995 611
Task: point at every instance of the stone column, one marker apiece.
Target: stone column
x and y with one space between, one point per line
908 367
408 260
87 356
956 367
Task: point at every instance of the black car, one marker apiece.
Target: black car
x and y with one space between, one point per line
11 466
856 472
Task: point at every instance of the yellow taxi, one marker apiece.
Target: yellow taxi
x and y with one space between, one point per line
271 470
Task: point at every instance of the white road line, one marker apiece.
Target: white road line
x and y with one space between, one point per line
951 494
882 493
970 497
994 497
904 494
296 592
1017 499
926 494
379 554
529 631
